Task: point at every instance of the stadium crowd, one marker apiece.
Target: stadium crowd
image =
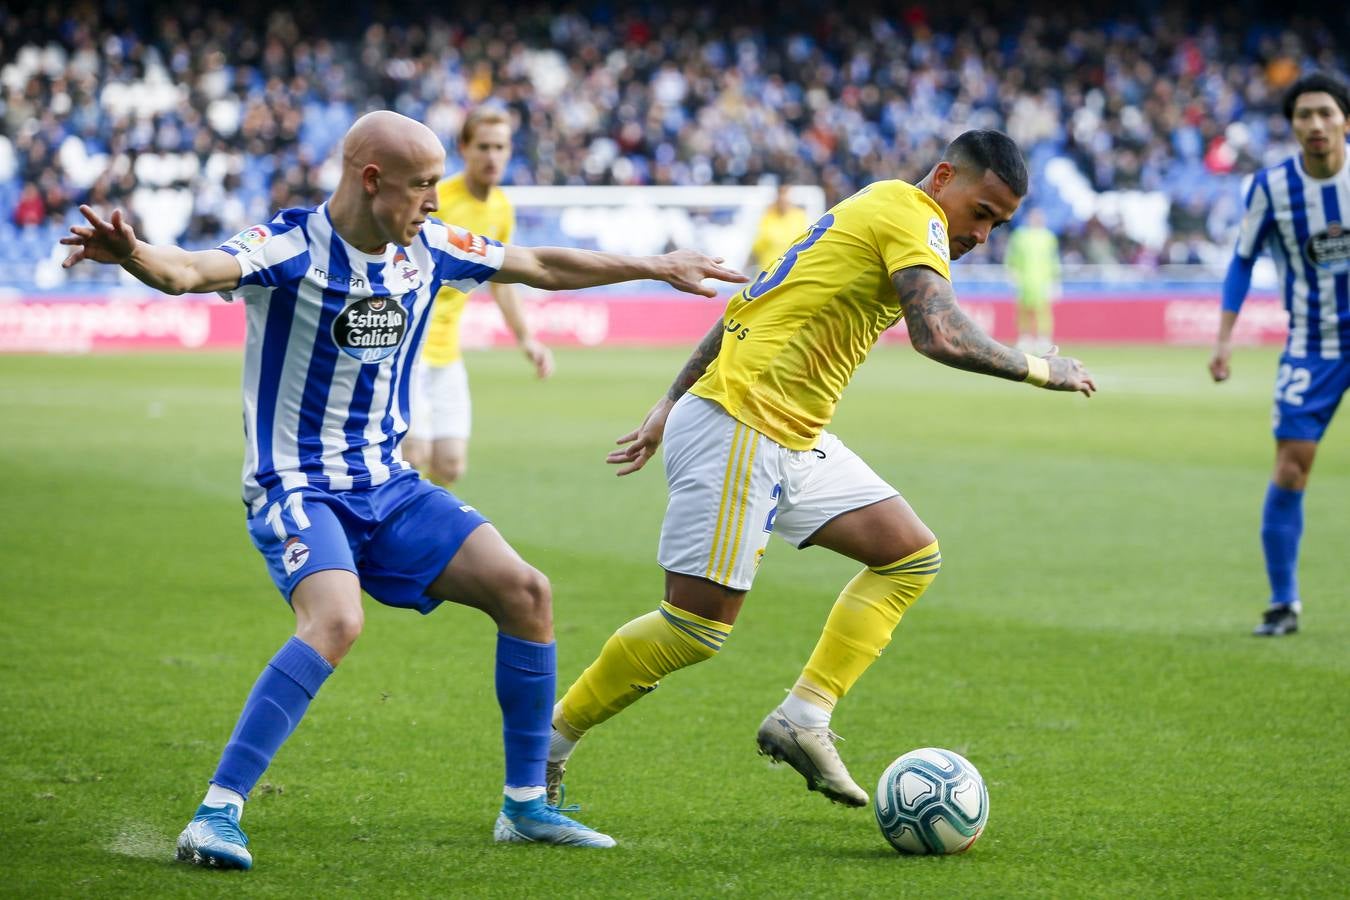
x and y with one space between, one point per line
205 118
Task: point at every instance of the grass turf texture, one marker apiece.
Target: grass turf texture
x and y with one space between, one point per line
1086 647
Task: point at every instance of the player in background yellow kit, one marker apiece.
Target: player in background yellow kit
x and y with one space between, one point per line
747 454
780 225
438 434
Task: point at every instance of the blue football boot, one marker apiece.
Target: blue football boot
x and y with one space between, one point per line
213 839
534 821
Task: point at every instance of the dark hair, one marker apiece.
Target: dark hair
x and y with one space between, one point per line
980 151
1317 83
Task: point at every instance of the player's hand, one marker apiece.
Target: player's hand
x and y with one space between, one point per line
1068 374
1218 363
539 356
640 445
101 240
686 269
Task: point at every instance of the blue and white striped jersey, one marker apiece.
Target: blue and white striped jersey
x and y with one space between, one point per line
1305 222
332 336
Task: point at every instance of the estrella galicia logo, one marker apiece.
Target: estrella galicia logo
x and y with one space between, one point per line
1329 249
371 328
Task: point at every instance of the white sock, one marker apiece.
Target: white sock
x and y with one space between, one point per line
559 747
219 796
804 712
524 794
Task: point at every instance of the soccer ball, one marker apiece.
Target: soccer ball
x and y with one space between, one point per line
931 801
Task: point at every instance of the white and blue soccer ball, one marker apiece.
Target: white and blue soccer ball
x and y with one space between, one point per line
931 801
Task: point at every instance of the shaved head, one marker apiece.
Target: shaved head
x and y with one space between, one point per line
384 137
390 166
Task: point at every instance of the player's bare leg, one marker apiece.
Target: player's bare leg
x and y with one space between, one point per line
902 559
488 574
449 460
417 452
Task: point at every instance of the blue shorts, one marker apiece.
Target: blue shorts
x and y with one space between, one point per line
397 537
1307 392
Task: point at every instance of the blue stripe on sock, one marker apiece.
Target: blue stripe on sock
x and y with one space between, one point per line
682 626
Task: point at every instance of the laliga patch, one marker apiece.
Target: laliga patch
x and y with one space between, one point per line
250 239
1330 249
294 555
371 329
937 238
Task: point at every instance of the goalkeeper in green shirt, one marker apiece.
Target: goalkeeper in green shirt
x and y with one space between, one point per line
1033 261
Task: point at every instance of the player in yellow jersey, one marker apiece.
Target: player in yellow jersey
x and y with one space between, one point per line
780 225
438 436
747 454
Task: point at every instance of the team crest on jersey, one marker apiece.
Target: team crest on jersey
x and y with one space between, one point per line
294 555
371 329
1329 249
250 239
937 238
405 266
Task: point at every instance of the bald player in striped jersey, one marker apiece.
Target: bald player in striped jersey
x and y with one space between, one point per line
1298 211
336 300
747 453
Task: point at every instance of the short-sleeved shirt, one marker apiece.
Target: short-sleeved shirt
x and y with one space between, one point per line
332 333
795 336
1305 223
494 218
776 231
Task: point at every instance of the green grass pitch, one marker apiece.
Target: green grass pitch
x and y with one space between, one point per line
1086 646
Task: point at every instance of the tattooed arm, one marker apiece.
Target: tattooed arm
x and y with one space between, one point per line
941 331
640 445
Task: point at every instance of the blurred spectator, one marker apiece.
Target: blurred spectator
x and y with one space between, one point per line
206 116
30 210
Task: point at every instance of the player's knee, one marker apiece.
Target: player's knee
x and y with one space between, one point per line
526 598
334 634
449 469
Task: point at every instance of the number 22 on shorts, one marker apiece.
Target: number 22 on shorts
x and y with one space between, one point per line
1290 384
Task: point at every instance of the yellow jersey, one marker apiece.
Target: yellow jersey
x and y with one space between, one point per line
776 231
494 218
794 337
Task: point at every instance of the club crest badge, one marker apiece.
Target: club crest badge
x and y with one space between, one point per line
294 555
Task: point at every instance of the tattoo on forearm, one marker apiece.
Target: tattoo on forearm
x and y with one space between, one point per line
940 330
703 355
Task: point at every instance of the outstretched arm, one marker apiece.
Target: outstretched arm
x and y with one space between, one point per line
563 269
171 270
640 445
941 331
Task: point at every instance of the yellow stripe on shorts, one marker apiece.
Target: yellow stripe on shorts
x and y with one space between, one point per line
745 502
729 478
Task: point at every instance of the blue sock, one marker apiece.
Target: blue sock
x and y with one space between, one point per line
527 678
274 707
1281 528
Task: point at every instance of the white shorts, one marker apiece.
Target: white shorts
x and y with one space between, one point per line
440 402
731 487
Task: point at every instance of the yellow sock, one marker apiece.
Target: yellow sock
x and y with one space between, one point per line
633 660
861 623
